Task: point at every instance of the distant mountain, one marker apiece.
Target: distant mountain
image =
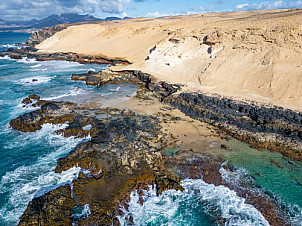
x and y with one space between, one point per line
63 18
113 18
34 25
47 22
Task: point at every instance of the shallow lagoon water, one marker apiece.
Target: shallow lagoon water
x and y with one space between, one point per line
28 159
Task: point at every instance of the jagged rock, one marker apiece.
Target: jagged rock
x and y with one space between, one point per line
53 208
50 112
252 123
248 122
31 52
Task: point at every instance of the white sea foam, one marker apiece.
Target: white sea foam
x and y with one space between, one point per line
10 46
5 58
165 209
34 80
37 65
25 182
84 212
26 60
237 175
73 92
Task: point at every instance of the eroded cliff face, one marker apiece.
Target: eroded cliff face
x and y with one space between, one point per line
44 33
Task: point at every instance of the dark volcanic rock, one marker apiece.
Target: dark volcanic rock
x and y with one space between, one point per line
31 52
122 155
50 112
264 127
53 208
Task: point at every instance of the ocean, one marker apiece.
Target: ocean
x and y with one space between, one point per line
28 160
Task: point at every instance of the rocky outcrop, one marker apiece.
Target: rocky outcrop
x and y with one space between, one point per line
31 53
44 33
263 126
161 89
50 112
126 152
54 208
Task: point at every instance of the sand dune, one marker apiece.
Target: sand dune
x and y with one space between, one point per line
255 55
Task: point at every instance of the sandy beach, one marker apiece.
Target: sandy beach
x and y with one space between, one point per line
253 55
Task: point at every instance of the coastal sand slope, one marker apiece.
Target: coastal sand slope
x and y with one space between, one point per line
255 55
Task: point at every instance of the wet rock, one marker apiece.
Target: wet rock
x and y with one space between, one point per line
262 126
53 208
265 127
31 53
223 146
34 97
50 112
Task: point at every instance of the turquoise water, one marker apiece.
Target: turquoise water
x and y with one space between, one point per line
276 175
28 160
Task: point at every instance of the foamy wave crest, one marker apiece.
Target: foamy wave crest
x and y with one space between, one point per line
73 92
10 46
236 175
26 60
37 65
34 180
5 58
34 80
80 212
183 208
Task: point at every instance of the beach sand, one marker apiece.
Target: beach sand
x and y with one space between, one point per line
253 56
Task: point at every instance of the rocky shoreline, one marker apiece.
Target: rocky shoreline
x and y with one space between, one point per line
126 150
32 53
264 127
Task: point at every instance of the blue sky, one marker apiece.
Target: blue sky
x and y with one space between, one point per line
157 8
37 9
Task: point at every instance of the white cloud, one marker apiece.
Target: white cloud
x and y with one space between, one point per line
269 5
25 9
160 14
242 6
124 14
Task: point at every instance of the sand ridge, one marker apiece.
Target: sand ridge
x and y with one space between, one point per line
255 55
